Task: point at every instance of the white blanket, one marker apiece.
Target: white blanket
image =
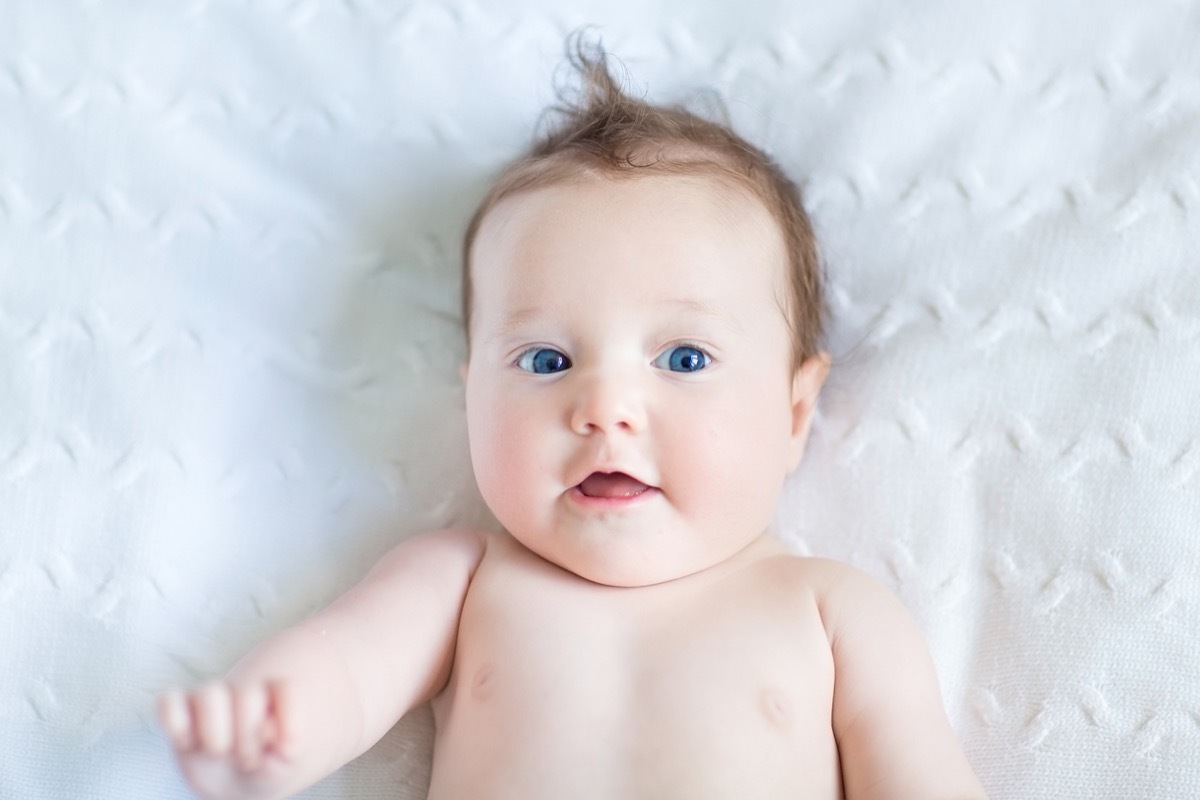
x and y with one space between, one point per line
229 340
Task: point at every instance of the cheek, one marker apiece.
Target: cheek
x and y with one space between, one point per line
503 441
736 449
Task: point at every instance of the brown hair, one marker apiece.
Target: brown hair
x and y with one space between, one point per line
608 133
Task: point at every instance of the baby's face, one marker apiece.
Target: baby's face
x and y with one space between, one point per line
629 392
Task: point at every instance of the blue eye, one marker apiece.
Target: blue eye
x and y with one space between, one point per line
543 361
683 358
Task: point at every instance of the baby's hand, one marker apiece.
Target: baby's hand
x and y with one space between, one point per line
231 741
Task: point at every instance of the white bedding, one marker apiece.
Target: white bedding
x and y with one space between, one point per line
229 341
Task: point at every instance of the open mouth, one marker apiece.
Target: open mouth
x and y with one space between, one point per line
612 486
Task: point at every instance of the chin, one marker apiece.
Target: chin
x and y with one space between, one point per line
612 572
623 559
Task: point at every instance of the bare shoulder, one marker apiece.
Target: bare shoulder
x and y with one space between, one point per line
835 585
450 554
894 739
846 596
860 614
468 543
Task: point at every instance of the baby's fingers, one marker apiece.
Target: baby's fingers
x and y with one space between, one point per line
175 716
278 727
221 721
212 712
250 712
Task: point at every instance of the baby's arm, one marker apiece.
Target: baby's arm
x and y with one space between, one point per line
894 739
320 693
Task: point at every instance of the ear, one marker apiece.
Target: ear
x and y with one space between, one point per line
806 386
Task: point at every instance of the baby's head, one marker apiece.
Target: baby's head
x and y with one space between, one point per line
612 136
643 307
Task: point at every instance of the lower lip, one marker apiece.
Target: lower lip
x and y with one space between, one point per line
611 503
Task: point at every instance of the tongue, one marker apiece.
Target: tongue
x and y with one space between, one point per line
611 484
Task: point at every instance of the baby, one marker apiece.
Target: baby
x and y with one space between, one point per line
643 311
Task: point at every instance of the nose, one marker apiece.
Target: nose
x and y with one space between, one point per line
607 403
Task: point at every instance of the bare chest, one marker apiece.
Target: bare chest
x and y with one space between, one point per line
718 688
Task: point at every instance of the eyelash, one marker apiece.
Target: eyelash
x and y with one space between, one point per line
525 362
706 356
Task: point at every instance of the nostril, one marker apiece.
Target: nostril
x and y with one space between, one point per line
588 426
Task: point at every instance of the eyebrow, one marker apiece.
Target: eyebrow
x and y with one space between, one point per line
514 321
523 316
699 307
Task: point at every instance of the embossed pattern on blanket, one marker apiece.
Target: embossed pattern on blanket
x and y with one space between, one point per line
229 339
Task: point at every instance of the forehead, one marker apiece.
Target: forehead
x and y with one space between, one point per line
666 248
674 220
